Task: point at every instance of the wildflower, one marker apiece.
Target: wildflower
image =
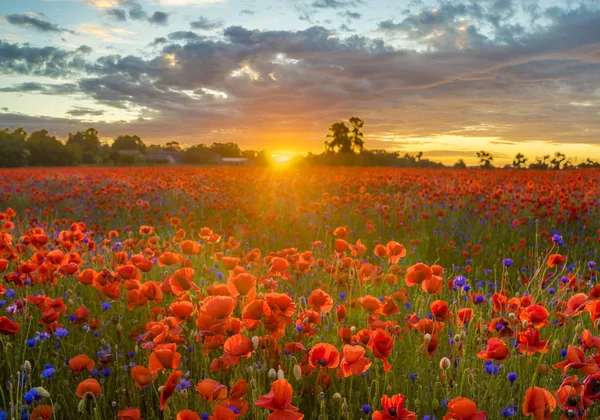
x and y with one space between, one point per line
393 408
279 400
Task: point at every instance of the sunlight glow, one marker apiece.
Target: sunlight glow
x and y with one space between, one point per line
246 71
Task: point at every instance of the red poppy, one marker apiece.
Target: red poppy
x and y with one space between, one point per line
90 386
320 301
381 344
211 390
279 400
169 388
80 363
8 327
539 403
495 349
353 361
461 408
164 357
129 414
324 355
393 408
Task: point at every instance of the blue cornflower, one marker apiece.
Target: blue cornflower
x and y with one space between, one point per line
509 411
460 281
61 332
412 376
366 408
508 262
31 342
511 377
48 371
558 240
106 305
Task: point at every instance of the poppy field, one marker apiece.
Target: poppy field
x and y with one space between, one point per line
317 293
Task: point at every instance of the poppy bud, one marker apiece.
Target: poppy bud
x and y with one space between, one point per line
435 403
249 369
160 388
577 328
427 337
280 374
321 396
255 341
344 407
305 321
457 338
253 382
114 404
337 396
353 329
445 363
81 405
43 392
297 372
525 324
272 374
511 316
27 367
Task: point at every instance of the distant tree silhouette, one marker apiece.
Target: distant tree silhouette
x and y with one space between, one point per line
13 148
172 146
47 150
230 149
88 144
200 154
520 161
460 164
558 160
345 140
485 159
127 142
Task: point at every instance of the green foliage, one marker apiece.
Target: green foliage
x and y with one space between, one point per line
13 148
127 142
88 144
345 140
47 150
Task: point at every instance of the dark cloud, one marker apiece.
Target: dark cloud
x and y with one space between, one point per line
330 4
350 15
247 12
81 112
46 89
34 22
159 18
44 61
159 41
206 24
119 15
182 35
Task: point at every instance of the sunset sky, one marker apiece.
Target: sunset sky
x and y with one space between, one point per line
444 77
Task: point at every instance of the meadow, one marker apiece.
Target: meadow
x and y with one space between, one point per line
317 293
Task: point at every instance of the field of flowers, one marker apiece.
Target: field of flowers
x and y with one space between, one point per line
316 293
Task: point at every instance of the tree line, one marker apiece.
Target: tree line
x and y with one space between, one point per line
84 147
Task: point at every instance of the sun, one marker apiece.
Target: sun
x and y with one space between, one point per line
282 158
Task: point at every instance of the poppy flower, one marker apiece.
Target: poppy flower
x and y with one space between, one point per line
211 390
370 304
90 386
169 388
8 327
439 309
324 355
381 344
576 304
464 316
241 284
417 274
353 361
80 363
539 403
495 349
576 359
187 415
164 356
461 408
320 301
236 347
142 376
555 259
41 412
530 343
393 408
395 251
129 414
182 280
279 400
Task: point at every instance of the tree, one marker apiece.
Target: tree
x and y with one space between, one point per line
199 154
230 150
460 164
520 161
47 150
13 148
345 140
128 142
172 146
558 160
89 144
485 159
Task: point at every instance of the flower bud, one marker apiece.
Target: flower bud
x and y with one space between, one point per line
297 372
280 374
27 367
272 374
337 396
249 369
427 337
42 391
445 363
255 341
81 405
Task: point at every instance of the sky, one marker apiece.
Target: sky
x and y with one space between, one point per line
447 78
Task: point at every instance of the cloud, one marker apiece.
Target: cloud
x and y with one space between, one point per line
247 12
46 89
159 18
41 61
119 15
350 15
180 35
330 4
177 3
206 24
81 112
109 34
31 20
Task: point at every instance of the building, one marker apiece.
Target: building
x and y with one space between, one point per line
241 161
170 158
